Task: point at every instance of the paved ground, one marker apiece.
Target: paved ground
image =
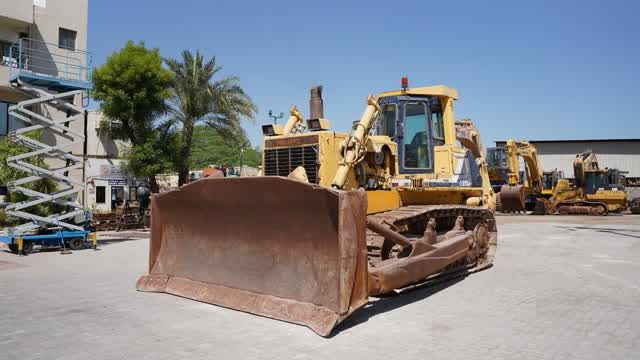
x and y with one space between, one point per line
562 288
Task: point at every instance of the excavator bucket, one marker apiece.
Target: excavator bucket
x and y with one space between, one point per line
270 246
512 198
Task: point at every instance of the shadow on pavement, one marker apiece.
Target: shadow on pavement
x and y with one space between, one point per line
391 302
49 249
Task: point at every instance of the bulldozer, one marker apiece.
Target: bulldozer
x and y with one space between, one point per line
335 218
520 191
594 191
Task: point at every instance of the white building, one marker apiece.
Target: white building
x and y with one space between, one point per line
107 182
623 154
43 55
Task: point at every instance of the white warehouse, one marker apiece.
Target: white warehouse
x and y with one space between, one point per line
623 154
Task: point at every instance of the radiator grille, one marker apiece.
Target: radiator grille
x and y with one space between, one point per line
281 162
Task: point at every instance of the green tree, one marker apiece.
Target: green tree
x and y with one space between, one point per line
133 87
8 174
210 148
198 98
156 156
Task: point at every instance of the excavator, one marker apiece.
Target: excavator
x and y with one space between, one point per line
595 191
519 192
337 217
550 179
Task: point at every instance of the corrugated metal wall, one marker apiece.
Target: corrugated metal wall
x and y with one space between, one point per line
624 155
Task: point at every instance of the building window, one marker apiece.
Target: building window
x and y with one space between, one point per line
67 39
5 52
100 194
133 193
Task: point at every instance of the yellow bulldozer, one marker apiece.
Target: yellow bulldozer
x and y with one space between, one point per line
336 218
594 191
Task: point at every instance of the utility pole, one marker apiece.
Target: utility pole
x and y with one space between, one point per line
275 117
241 159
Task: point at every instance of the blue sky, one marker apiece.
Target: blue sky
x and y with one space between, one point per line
528 70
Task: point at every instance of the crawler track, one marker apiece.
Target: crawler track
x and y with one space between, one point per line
411 221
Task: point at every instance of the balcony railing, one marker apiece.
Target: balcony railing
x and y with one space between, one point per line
38 59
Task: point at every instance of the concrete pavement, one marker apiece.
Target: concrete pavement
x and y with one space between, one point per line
561 288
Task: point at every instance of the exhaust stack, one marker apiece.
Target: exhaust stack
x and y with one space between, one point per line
316 121
316 104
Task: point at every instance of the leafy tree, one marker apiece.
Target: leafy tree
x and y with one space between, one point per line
7 174
197 97
156 156
133 87
209 148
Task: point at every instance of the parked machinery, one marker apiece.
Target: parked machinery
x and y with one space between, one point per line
359 215
634 206
520 190
550 180
595 191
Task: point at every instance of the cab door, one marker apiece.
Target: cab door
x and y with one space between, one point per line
414 137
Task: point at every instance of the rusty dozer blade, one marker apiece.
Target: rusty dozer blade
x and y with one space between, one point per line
270 246
512 198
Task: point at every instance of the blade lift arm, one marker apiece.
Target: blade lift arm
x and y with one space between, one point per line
354 147
295 122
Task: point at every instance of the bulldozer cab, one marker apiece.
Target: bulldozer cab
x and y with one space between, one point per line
416 123
601 180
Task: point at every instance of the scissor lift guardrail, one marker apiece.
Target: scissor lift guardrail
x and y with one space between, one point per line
51 84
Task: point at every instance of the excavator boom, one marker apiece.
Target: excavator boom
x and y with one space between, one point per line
513 195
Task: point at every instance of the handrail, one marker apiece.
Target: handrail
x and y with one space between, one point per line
36 57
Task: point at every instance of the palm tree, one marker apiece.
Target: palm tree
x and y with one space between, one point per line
197 97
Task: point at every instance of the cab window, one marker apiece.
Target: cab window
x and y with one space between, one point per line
437 121
416 137
388 120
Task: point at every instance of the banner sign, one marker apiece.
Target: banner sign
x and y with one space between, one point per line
117 182
111 172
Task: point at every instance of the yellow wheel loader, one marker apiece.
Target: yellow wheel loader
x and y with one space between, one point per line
595 191
336 218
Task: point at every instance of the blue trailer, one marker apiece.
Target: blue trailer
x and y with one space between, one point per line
66 239
52 237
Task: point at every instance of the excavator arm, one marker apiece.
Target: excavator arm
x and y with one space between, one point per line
586 161
529 154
